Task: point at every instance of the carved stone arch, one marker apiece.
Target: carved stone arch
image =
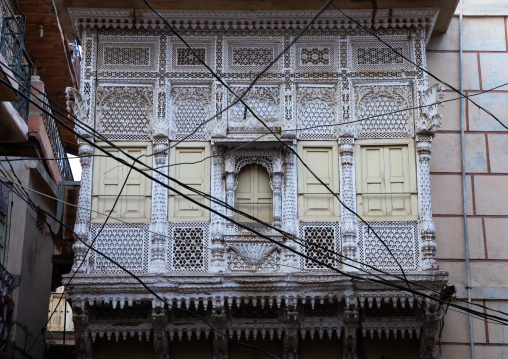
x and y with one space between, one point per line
125 112
264 102
253 160
317 108
190 106
380 111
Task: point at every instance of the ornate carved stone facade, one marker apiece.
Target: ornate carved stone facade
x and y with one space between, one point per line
335 86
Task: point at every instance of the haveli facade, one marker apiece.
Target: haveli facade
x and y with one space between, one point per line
333 98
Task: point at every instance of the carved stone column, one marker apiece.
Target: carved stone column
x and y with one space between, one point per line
160 337
80 108
83 338
276 185
427 227
349 223
351 324
82 226
220 341
289 209
290 339
426 125
430 332
231 183
159 206
217 247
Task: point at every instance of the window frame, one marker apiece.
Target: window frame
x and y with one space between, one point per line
412 174
335 180
96 181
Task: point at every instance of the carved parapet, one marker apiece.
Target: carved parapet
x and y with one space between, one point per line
429 120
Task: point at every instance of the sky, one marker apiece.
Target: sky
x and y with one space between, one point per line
75 167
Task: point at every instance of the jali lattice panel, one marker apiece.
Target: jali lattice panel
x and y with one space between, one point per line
321 241
126 244
188 249
402 239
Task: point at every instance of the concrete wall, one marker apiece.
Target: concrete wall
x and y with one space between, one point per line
486 147
28 259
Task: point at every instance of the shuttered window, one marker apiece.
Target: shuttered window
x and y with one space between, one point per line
315 202
109 176
253 194
386 180
188 166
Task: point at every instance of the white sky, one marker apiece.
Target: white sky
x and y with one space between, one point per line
75 167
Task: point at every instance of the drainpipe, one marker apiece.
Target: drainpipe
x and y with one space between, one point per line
464 192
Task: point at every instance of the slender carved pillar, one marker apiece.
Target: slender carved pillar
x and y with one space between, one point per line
427 227
290 340
276 185
220 341
426 126
349 223
82 226
83 339
160 337
289 209
430 331
351 324
217 223
231 183
159 206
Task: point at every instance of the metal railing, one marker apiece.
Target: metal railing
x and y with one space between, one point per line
11 47
55 138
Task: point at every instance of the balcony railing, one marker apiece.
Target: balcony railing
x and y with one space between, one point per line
55 138
11 47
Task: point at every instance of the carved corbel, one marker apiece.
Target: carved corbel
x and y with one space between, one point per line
219 320
79 106
83 344
290 340
429 120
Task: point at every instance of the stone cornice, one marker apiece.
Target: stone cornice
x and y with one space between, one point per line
252 20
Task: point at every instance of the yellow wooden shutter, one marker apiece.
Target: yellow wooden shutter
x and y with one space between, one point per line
195 175
314 200
253 194
108 177
386 181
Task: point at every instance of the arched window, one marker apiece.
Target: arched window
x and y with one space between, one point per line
253 194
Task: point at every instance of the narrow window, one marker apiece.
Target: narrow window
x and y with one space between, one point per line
253 194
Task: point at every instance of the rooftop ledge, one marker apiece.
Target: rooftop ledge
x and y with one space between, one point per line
135 12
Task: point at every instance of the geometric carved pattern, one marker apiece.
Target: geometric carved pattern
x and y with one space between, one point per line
182 58
400 237
315 54
377 108
124 112
189 247
371 55
191 107
128 54
126 244
321 242
250 55
316 107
